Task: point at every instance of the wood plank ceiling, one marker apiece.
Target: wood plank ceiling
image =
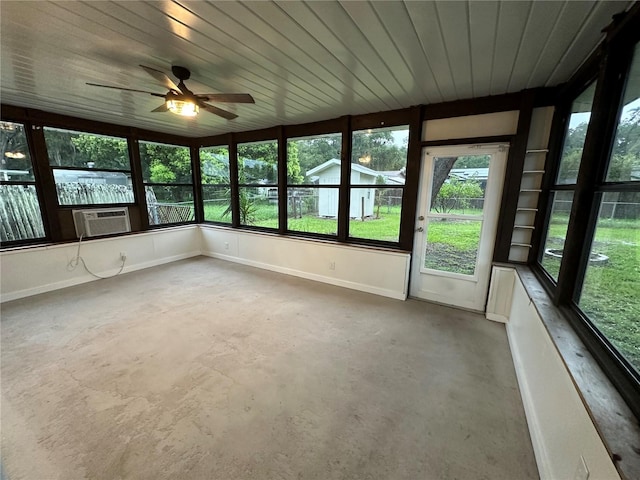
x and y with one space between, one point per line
301 61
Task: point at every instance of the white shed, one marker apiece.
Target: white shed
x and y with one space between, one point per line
362 199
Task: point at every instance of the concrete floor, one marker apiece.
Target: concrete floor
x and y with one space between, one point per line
203 369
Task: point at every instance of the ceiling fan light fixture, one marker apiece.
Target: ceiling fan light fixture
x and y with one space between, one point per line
185 108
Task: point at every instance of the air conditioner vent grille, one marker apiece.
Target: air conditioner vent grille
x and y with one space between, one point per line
105 221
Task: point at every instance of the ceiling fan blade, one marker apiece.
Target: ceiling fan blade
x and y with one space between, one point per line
126 89
161 77
217 111
161 108
227 97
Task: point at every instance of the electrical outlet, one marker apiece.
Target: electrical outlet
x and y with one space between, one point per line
332 265
226 245
123 256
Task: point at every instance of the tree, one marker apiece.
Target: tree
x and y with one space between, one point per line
441 168
455 194
13 139
214 165
165 163
380 146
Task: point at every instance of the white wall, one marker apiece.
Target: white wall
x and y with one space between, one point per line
359 268
29 271
562 432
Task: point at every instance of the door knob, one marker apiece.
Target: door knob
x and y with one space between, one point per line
421 217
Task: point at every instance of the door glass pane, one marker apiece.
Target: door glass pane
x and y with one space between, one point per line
609 294
452 245
458 184
625 156
556 233
576 134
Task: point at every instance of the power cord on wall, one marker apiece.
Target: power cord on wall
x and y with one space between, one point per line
73 263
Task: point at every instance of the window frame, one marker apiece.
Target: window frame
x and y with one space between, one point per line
144 183
36 182
610 66
52 168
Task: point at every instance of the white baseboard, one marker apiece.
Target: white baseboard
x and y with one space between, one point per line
27 292
312 276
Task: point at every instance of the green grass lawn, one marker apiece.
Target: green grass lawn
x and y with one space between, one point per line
611 294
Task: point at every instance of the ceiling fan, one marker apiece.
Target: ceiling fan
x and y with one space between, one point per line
182 101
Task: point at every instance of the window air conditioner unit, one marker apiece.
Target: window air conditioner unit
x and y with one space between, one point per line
101 221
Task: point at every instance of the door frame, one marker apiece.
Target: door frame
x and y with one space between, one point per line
434 285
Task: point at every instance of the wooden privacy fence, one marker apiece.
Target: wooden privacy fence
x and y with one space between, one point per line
93 193
20 217
160 213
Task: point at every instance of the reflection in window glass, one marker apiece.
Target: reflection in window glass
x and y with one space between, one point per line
610 291
575 137
89 187
15 160
452 245
21 218
66 148
459 184
89 169
214 165
381 149
259 206
258 163
375 213
625 157
557 232
312 210
314 160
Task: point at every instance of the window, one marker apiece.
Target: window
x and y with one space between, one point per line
21 217
168 181
216 184
313 180
89 169
258 183
561 196
609 294
378 168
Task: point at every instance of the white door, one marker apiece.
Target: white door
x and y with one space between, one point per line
458 205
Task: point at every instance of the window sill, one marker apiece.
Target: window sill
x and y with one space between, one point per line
613 419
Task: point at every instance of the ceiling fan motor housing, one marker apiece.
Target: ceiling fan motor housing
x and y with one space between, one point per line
181 73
